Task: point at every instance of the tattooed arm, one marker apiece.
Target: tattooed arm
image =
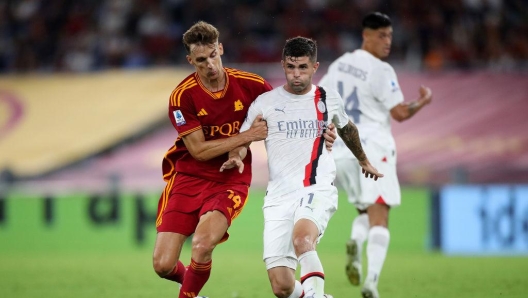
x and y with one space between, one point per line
350 135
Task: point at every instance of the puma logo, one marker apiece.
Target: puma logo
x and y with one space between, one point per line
280 110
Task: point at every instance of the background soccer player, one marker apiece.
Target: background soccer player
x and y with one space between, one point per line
300 197
372 96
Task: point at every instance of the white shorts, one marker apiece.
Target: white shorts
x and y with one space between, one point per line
316 203
363 192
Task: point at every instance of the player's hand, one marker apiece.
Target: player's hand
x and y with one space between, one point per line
330 136
232 162
369 171
426 94
259 129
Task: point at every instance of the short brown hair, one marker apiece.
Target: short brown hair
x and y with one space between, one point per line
200 33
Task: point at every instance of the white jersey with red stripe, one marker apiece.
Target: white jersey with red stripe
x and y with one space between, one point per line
370 89
297 156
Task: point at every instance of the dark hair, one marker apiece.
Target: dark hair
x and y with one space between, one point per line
200 33
376 20
300 47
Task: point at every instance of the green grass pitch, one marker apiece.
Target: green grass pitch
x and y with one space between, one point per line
411 269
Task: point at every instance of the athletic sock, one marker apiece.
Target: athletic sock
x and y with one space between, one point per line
360 231
195 278
377 246
312 274
297 291
177 274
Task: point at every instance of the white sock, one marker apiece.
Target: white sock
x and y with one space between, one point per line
360 231
312 274
377 246
298 291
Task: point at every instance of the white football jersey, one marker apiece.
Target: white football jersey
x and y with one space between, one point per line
297 156
370 89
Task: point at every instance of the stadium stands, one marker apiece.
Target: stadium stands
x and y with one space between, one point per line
474 131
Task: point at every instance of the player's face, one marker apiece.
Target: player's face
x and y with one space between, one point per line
299 72
207 60
378 42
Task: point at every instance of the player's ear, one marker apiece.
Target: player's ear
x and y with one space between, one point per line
283 66
316 66
220 49
189 59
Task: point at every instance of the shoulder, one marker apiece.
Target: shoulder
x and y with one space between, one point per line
183 87
244 77
330 92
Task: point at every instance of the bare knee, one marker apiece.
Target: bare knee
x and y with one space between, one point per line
202 248
302 244
162 265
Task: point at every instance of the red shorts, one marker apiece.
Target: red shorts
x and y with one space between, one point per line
186 198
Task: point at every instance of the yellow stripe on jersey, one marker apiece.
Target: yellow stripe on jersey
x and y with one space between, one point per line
242 74
176 94
190 131
165 199
169 173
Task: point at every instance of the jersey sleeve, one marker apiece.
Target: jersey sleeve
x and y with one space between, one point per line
336 109
254 110
328 79
385 86
183 114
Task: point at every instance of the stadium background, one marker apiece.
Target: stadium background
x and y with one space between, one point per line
83 128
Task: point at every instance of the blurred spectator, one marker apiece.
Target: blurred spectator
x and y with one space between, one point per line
85 35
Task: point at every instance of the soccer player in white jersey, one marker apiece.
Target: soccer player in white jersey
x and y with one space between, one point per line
371 96
300 197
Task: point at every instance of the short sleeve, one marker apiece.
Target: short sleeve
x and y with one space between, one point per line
385 86
336 109
253 111
183 115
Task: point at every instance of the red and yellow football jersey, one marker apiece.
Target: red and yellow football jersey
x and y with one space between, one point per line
219 115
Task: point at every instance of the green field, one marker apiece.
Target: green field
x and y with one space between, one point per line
70 258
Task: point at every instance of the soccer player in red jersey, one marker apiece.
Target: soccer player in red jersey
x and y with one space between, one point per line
207 109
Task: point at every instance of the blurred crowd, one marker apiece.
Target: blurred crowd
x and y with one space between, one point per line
85 35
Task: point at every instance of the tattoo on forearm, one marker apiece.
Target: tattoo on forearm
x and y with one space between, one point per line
350 136
413 107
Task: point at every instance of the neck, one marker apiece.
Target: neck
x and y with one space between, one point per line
215 84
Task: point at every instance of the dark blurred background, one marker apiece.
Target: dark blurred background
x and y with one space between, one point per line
85 35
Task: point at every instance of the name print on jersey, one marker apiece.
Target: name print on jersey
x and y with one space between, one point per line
358 73
302 128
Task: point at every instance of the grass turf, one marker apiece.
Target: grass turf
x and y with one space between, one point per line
411 270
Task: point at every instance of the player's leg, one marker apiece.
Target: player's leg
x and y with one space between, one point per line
348 176
305 234
209 232
377 247
316 207
354 246
279 254
166 256
381 196
223 203
173 229
282 281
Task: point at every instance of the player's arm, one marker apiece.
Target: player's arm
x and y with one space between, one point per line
203 150
235 159
330 136
350 135
404 111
